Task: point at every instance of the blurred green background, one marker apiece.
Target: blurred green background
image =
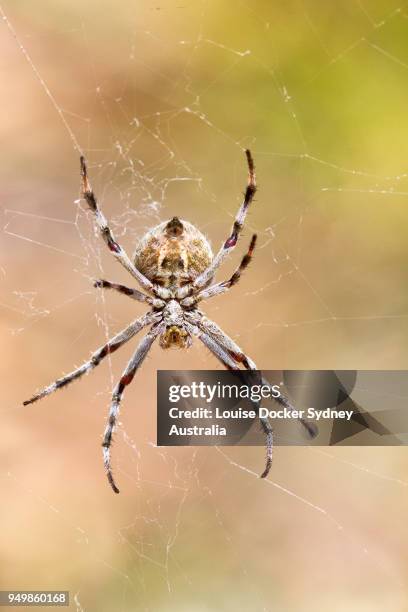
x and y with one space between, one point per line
162 97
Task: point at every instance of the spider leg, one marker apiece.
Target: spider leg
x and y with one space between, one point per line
236 353
106 233
204 278
229 361
125 380
224 286
310 428
132 293
215 332
110 347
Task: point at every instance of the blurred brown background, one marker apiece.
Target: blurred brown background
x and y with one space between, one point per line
162 97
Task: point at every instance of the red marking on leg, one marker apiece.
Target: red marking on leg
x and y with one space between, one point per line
113 347
232 241
103 352
113 246
127 379
240 357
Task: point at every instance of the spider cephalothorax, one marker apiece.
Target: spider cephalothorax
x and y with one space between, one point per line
175 335
175 266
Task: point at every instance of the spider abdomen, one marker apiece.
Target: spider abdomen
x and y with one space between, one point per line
173 253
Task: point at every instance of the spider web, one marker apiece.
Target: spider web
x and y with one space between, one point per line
162 98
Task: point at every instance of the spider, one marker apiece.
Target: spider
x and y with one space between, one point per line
175 266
